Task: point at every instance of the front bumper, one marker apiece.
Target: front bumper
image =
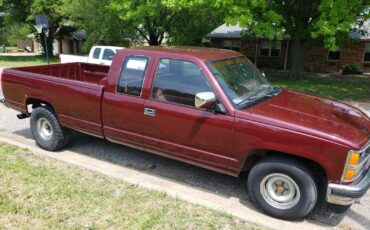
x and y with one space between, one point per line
348 194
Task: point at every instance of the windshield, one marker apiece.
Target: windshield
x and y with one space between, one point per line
240 80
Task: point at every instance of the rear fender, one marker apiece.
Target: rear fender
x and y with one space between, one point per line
36 97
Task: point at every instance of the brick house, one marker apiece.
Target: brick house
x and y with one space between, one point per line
276 54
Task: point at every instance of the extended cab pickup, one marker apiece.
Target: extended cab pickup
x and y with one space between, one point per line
207 107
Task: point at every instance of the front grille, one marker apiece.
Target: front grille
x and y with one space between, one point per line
366 151
366 156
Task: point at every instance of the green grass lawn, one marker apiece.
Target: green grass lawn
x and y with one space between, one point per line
335 87
41 193
17 61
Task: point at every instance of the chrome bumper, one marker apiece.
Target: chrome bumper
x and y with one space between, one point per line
348 194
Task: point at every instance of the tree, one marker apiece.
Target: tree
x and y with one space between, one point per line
326 20
182 20
13 15
196 24
56 14
2 37
151 19
19 19
102 23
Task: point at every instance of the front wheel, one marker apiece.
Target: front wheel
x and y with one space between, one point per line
282 187
47 131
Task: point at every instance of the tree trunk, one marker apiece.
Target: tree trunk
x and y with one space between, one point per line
154 40
297 68
60 40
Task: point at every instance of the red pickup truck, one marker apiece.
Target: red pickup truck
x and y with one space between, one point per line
207 107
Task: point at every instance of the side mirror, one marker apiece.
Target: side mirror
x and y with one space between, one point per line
220 108
205 100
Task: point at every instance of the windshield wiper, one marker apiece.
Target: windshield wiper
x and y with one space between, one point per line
273 92
248 100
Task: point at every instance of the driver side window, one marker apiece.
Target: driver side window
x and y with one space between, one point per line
178 81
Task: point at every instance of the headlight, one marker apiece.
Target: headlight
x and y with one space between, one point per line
357 162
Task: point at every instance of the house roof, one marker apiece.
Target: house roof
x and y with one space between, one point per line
79 35
235 31
227 31
362 36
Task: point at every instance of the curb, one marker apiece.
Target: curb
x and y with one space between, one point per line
172 188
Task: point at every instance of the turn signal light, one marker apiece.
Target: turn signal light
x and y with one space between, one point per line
350 174
354 158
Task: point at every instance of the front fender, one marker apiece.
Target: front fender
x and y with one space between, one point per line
249 137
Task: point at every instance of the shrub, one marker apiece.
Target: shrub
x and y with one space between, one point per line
351 69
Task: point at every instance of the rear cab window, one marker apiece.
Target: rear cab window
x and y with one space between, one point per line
96 53
108 54
130 81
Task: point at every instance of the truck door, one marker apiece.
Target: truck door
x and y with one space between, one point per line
123 107
172 124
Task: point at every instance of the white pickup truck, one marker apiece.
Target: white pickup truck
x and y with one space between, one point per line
98 55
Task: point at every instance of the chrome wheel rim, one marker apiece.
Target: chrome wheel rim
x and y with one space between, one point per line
44 129
280 191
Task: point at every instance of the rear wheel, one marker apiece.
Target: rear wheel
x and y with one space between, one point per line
282 187
47 131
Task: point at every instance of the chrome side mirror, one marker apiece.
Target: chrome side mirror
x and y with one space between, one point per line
205 100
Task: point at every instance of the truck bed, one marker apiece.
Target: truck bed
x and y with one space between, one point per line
83 72
74 89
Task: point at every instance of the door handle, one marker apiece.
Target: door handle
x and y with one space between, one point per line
149 112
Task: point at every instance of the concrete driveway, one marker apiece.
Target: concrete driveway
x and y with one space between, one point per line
221 186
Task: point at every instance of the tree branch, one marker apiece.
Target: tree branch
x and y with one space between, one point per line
143 34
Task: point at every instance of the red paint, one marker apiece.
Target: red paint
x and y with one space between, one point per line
84 98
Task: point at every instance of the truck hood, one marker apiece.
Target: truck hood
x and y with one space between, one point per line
328 119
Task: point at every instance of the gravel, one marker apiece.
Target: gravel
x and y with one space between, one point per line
358 217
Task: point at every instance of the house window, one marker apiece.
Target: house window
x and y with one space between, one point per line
334 55
231 45
367 53
270 48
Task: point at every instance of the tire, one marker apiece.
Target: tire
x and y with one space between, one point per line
282 187
47 131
